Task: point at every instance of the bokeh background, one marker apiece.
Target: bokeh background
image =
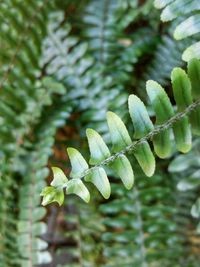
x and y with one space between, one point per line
63 65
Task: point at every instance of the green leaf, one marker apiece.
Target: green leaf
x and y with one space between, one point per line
162 144
164 111
195 211
194 75
183 162
98 149
77 187
36 258
181 88
59 197
48 195
182 134
145 158
182 94
36 243
119 135
191 52
160 101
38 228
195 121
179 7
79 164
188 27
59 178
123 169
99 178
54 86
139 115
161 3
51 194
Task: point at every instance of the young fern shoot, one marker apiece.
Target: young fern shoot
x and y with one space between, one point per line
184 122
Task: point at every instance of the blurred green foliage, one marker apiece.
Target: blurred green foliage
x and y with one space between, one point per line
64 64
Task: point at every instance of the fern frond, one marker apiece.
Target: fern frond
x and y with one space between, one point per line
189 12
14 30
167 48
185 168
33 249
144 131
81 235
22 101
21 43
92 86
9 255
142 227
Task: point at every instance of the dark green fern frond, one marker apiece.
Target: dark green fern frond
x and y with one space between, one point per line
22 100
185 168
184 90
141 226
168 55
9 256
92 86
21 37
116 54
82 236
33 250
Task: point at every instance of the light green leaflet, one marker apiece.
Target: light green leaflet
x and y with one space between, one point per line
122 167
119 134
99 178
140 118
193 51
98 149
177 7
182 94
120 138
51 194
142 126
78 163
76 186
161 3
193 74
188 27
164 111
59 178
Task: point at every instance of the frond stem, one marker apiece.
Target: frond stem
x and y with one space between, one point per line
149 136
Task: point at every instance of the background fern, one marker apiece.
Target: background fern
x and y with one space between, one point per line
64 64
